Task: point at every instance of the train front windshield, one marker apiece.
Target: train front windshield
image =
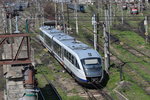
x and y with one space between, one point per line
92 67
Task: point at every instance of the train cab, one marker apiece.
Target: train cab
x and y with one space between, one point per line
93 69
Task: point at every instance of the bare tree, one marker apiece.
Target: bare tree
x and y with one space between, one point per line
49 11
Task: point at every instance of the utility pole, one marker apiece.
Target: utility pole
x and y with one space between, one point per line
98 26
107 18
106 34
146 29
43 20
110 12
17 31
10 24
122 18
63 18
94 23
139 5
56 16
68 19
27 25
4 20
106 48
76 17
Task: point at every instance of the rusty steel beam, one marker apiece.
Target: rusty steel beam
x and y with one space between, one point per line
12 53
14 35
28 48
19 49
3 41
10 62
16 60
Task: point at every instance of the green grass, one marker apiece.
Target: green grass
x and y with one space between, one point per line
134 91
114 78
132 60
131 38
51 75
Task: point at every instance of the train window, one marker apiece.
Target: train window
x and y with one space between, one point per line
73 60
41 33
57 48
69 57
91 61
77 65
65 53
48 40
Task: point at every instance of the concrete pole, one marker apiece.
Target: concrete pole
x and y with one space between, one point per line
10 24
4 21
95 29
63 18
106 49
76 14
17 31
122 16
68 23
55 14
106 34
110 13
43 20
146 29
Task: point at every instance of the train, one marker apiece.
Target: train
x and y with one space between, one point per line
81 61
79 8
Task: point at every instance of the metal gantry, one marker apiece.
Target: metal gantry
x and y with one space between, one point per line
5 39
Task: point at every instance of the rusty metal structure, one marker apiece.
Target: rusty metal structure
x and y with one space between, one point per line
8 39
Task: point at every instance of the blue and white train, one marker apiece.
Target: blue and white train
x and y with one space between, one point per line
83 62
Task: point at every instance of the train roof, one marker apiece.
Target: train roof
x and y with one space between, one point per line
81 49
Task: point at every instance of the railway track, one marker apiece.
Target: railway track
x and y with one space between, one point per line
97 93
114 39
53 92
89 94
136 75
130 49
105 95
121 62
